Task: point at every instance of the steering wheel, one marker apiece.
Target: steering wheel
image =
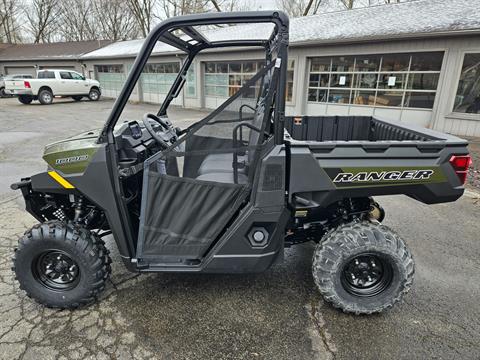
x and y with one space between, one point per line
165 136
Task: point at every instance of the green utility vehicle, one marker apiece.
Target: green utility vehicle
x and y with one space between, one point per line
230 192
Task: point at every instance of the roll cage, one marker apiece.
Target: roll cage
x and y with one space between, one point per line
165 32
276 44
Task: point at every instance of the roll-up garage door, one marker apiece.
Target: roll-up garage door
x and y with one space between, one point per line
12 70
224 79
111 78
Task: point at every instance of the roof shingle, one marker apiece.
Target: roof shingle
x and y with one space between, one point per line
60 50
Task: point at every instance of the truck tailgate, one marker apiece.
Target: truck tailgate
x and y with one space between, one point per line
18 84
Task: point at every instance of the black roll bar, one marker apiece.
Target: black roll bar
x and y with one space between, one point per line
278 18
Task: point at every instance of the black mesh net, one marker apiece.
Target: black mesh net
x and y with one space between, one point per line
193 189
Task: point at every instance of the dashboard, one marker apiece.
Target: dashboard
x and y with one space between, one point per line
134 143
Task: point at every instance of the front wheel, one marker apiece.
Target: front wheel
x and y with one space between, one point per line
94 95
363 268
2 92
61 265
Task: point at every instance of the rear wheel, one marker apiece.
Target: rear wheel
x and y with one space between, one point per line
363 268
25 99
77 98
45 97
94 95
61 265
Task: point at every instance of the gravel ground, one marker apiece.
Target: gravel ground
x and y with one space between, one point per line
274 315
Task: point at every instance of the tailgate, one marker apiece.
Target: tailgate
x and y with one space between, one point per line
18 84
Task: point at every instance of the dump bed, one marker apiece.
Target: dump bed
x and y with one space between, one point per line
336 157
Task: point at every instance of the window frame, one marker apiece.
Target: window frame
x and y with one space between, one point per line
145 83
294 80
228 86
76 74
378 72
63 73
451 107
46 72
193 84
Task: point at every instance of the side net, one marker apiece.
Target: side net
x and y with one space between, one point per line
193 189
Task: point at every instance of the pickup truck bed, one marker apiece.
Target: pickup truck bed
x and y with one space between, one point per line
336 157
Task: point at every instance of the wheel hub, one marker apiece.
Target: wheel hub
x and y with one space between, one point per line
366 275
56 270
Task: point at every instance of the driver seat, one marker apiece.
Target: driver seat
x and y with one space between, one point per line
221 165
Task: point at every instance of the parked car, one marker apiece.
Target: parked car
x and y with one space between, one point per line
3 93
52 83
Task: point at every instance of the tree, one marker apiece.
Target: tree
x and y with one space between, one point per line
42 17
9 26
76 21
296 8
115 20
143 12
182 7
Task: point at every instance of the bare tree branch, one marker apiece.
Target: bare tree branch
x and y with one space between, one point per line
42 16
9 24
216 6
296 8
142 10
115 20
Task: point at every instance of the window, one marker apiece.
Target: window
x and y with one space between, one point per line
76 76
111 78
157 78
46 75
109 68
224 79
468 92
65 75
393 80
289 89
191 84
22 77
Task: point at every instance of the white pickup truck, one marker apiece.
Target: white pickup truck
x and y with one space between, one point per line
52 83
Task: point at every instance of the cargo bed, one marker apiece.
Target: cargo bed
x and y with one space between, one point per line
333 157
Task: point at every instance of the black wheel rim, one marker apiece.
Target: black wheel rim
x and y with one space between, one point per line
56 270
366 275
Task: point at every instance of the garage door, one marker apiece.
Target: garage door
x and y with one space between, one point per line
156 81
12 70
111 78
224 79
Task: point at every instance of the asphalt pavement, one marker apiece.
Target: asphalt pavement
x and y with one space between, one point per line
274 315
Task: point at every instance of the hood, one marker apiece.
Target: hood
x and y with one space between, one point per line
73 154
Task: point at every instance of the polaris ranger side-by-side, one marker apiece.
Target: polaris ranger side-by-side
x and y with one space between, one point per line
230 192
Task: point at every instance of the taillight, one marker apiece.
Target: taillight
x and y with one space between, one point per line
460 164
27 84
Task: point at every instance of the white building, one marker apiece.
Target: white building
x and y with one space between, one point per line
417 62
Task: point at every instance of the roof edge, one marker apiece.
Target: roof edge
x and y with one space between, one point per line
390 37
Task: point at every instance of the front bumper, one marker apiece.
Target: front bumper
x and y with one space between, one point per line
43 195
33 201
